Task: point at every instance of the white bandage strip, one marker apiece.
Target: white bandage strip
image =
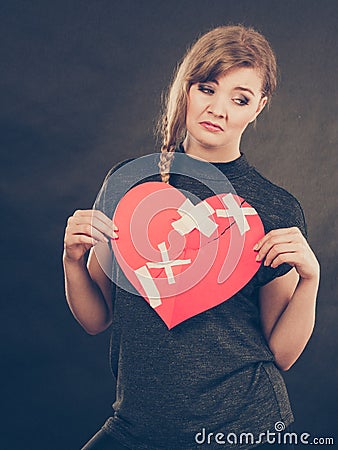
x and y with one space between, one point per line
149 286
234 210
166 264
195 216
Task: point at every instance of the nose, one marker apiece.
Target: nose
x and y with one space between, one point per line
217 106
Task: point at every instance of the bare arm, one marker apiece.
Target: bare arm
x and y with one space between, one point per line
288 302
87 286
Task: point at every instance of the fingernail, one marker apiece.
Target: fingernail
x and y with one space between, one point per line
255 247
258 258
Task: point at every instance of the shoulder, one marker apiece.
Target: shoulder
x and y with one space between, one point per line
122 177
106 198
117 166
277 208
274 201
276 191
132 171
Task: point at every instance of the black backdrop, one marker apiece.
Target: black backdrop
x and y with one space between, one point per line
80 90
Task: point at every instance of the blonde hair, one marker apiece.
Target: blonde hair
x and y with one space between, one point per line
211 56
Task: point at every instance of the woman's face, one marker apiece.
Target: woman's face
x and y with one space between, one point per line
219 111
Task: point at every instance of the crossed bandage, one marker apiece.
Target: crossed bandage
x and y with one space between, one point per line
192 217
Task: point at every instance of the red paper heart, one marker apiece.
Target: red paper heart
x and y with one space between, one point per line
204 267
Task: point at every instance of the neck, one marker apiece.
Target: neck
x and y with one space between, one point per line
211 154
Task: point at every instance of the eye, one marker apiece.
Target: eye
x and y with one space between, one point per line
206 89
241 101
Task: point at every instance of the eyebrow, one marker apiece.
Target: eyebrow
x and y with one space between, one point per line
241 88
237 88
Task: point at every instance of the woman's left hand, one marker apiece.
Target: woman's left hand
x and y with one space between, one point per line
288 245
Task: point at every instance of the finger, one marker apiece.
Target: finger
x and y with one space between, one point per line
305 267
100 222
94 215
285 258
106 228
270 243
278 250
104 219
83 239
88 230
75 240
276 234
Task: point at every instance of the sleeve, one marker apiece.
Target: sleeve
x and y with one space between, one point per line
115 185
292 215
107 197
106 202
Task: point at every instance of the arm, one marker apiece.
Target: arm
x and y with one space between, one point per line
87 286
288 303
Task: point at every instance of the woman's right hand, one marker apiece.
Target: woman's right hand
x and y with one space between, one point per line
85 228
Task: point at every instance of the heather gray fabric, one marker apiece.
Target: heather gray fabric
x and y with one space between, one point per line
213 371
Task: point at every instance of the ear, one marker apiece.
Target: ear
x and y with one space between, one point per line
261 105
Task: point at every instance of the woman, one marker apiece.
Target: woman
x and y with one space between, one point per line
217 374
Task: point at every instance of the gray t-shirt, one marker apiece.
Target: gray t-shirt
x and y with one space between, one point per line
213 373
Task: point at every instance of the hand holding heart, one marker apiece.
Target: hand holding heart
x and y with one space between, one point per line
183 258
288 245
85 228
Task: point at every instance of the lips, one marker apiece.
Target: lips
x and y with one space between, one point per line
210 126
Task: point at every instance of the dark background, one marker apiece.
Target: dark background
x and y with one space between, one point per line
81 83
